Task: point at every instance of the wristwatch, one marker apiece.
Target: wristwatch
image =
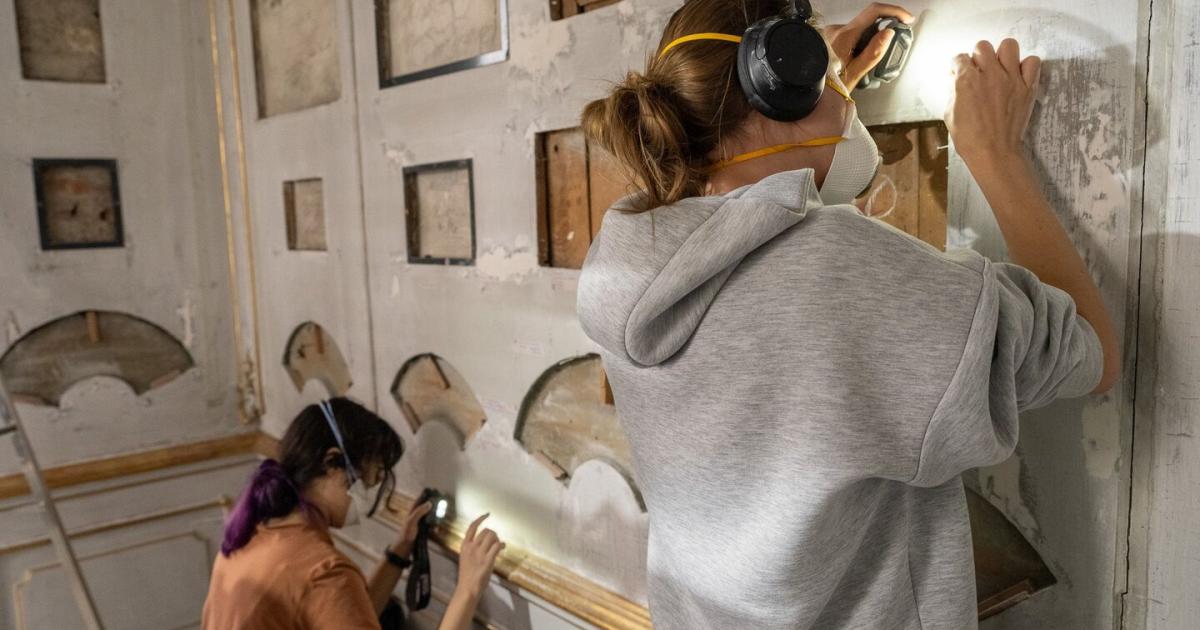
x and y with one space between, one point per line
396 559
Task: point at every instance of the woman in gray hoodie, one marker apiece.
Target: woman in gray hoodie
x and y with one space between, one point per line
802 385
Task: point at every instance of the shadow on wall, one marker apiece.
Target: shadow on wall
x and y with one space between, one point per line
49 359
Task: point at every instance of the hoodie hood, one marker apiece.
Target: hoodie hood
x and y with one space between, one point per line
650 276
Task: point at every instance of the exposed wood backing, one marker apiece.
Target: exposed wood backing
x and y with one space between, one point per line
428 389
133 463
560 9
312 354
577 183
910 191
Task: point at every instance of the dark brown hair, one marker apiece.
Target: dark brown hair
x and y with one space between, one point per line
660 125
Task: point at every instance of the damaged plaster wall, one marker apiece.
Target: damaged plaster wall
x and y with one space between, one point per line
502 321
154 116
1066 488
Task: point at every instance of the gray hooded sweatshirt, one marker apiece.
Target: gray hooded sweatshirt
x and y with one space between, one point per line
802 387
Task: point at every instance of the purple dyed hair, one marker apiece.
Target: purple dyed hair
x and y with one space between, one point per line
269 494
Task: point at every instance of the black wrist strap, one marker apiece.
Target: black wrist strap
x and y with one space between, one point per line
396 559
417 592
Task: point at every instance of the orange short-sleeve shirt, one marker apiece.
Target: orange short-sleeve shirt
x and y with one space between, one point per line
288 577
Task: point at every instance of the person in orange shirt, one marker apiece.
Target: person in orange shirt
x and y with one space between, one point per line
278 568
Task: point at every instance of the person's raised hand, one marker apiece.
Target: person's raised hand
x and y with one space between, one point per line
842 39
408 534
994 93
477 558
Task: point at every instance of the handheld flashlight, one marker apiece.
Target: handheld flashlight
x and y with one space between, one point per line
892 63
419 587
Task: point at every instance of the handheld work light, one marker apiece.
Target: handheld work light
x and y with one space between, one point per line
892 63
419 587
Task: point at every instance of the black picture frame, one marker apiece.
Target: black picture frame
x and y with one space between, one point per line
40 166
383 51
412 206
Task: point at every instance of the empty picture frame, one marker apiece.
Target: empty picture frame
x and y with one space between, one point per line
439 212
78 203
304 213
417 39
61 40
296 63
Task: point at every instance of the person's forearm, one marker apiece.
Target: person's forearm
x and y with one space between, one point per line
460 610
382 583
1037 241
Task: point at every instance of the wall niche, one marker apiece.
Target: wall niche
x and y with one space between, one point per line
910 191
61 40
560 9
416 39
576 184
296 63
304 214
439 212
78 203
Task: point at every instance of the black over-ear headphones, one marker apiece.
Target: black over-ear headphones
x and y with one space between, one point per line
782 64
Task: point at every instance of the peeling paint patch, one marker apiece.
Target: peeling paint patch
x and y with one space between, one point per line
395 285
1001 484
397 154
501 263
11 328
186 313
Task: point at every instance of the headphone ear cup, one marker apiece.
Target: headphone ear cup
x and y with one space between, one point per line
782 64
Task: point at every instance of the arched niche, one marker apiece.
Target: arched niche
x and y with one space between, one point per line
567 418
428 389
1007 568
49 359
312 354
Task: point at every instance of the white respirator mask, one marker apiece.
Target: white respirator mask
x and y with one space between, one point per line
855 163
362 498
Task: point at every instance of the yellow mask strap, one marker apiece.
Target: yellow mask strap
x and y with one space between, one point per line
700 36
779 148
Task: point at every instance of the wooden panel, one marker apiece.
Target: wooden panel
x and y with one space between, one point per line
304 209
49 359
568 212
910 191
295 54
422 35
567 419
935 174
313 354
606 184
78 203
560 9
61 40
428 389
440 213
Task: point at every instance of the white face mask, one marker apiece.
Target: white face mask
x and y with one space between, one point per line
855 162
362 499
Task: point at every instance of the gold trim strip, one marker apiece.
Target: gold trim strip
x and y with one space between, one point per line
14 485
230 248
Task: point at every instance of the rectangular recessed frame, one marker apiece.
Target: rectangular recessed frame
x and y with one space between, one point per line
576 184
427 242
78 203
913 179
61 40
296 57
389 77
560 9
304 213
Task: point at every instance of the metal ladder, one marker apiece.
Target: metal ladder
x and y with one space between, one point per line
10 424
